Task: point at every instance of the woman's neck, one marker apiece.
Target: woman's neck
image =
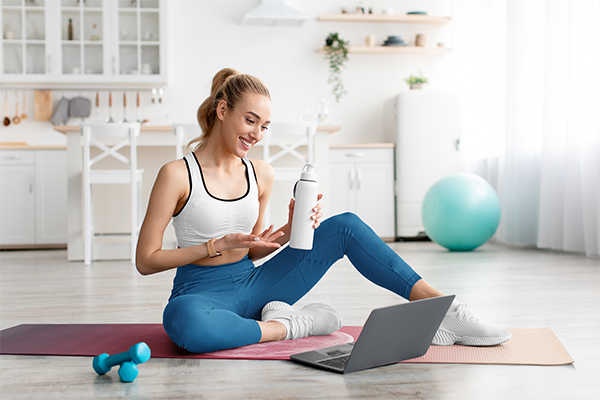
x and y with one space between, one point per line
215 154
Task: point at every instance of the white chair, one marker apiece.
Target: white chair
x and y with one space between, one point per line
288 137
128 132
183 134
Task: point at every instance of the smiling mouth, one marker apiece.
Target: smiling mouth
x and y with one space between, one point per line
246 143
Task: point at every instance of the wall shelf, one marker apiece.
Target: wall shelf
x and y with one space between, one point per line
394 50
412 18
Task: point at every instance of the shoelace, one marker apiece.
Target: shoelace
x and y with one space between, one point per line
462 311
301 326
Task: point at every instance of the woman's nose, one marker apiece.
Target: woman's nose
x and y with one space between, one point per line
256 134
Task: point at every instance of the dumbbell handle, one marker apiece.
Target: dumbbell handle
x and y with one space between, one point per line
118 359
138 353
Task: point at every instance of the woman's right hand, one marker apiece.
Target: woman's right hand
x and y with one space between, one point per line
266 239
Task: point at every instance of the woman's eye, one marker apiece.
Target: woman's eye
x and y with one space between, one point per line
250 121
264 128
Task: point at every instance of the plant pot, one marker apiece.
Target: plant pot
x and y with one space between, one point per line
416 86
328 42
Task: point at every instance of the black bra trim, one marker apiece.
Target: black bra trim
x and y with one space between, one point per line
216 198
187 165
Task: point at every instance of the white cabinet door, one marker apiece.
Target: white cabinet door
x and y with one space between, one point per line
375 196
51 196
25 50
33 197
341 192
139 41
82 30
17 211
362 181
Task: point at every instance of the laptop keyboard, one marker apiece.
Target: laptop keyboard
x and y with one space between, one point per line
336 362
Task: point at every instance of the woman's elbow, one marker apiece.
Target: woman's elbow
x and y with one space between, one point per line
142 265
142 268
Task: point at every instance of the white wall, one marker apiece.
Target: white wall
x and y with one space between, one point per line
205 36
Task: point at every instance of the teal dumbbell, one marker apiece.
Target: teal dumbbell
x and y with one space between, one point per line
128 360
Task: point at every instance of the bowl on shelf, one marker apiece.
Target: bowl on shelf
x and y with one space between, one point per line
394 41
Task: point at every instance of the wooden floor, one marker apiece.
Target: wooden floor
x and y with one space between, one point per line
513 287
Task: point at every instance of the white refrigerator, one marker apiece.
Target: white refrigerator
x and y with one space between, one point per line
428 148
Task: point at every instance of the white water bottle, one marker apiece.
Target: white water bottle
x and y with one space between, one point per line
306 191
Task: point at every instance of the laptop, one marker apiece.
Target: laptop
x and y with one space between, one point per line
391 334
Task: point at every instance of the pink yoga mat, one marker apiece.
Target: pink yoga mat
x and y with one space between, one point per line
527 347
94 339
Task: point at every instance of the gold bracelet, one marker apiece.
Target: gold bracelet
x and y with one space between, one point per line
212 252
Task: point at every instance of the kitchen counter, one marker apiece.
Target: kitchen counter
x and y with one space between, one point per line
362 146
25 146
150 159
163 135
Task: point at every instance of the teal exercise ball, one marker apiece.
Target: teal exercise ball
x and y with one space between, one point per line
461 212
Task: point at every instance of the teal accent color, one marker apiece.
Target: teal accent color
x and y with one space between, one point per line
461 212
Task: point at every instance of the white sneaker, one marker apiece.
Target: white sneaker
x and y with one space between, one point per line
461 326
311 320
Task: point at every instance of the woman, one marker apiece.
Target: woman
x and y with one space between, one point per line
217 200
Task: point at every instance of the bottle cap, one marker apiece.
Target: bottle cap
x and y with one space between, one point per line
309 173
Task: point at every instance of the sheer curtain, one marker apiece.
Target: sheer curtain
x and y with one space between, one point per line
547 170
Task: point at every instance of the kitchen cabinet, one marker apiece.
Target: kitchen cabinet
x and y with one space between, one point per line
383 18
361 180
26 41
83 41
17 206
33 198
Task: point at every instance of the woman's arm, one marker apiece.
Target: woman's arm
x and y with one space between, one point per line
168 192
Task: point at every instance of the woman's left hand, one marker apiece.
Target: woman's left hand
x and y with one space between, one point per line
316 216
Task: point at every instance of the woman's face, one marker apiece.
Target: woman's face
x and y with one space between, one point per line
245 125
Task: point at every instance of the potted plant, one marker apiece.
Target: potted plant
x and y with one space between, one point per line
336 52
416 82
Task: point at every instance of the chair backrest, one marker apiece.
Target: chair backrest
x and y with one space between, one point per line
127 131
183 134
289 136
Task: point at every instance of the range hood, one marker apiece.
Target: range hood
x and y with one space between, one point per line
274 12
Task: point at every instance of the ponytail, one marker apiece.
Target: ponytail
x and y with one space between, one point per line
231 86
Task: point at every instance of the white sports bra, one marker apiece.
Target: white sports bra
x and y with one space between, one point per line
205 216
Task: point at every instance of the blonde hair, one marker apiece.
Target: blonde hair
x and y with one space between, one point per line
231 86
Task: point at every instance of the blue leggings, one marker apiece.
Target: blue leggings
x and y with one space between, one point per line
215 308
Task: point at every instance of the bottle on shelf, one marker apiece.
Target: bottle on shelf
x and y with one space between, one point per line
70 30
95 36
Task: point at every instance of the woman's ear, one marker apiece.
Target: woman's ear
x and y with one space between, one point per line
221 109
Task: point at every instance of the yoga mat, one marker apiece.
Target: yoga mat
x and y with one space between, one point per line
527 347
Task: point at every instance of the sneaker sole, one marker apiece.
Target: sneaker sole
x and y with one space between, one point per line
446 338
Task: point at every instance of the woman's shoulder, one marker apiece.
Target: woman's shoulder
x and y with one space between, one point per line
263 169
174 170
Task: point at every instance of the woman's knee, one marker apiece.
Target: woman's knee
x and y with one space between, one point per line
186 320
347 222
